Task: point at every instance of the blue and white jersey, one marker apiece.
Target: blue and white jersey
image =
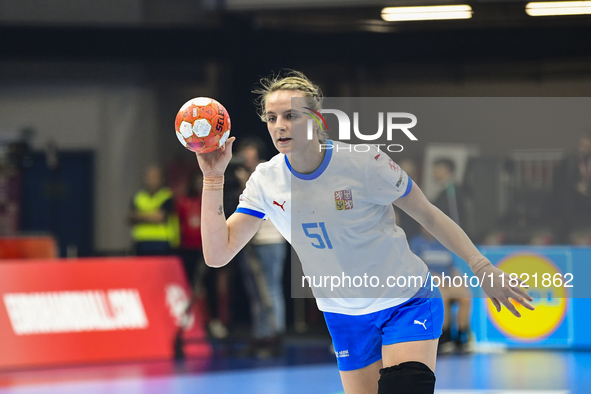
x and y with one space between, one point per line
340 221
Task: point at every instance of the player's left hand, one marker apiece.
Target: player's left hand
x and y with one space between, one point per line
497 285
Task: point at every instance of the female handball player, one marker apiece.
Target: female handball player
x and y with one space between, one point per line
334 205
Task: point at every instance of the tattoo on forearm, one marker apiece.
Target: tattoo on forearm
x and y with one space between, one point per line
220 210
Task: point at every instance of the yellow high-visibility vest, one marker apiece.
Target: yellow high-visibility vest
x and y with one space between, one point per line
145 202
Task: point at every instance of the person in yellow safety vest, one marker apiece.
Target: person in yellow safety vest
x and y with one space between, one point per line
155 228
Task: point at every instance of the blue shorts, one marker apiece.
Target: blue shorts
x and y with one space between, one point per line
358 340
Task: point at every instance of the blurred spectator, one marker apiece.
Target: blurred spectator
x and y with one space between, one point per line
213 295
154 223
216 281
252 150
263 272
439 260
450 200
541 237
574 188
494 238
188 209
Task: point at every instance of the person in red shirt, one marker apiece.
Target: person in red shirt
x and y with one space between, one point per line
188 208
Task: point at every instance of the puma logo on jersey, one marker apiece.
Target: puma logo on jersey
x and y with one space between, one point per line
279 205
377 156
421 323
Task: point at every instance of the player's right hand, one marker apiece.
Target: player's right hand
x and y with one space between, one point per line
214 164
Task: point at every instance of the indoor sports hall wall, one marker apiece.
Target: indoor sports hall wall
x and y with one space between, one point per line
117 123
124 113
527 84
104 12
120 111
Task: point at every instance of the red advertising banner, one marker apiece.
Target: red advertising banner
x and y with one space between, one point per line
94 310
28 247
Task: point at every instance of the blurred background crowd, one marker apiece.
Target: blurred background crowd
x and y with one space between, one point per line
88 96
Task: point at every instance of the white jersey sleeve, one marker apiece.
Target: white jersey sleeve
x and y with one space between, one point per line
251 200
386 181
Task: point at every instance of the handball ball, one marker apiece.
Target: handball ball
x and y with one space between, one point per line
202 125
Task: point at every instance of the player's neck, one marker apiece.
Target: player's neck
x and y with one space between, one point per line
308 160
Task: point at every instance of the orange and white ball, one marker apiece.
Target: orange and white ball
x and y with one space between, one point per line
202 125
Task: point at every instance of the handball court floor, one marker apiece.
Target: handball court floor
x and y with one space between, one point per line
307 369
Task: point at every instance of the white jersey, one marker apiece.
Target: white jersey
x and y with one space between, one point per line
340 221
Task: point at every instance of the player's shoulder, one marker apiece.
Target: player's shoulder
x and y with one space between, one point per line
359 154
270 168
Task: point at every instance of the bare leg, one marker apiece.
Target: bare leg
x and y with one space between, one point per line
421 351
362 381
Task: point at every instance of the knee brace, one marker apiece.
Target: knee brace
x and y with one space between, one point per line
410 377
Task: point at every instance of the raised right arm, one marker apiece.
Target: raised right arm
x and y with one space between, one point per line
222 239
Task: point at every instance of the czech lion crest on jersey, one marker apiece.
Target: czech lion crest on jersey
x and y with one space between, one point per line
343 200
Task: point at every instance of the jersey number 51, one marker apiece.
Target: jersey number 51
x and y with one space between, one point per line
323 240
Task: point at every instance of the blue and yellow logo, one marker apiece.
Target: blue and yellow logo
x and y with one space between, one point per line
549 299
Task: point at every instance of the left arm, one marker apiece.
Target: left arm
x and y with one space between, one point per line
455 239
416 205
